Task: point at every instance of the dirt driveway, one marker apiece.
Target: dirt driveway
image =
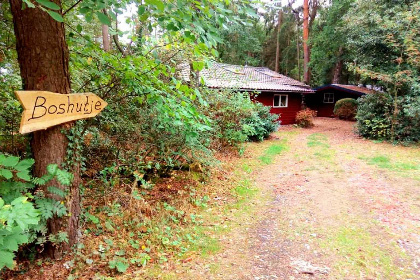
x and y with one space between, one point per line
330 206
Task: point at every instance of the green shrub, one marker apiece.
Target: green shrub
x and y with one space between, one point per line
23 216
346 108
236 119
305 118
260 124
375 114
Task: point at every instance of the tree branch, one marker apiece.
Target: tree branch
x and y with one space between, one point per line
72 7
115 38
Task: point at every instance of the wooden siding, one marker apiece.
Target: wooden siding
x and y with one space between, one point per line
316 102
287 114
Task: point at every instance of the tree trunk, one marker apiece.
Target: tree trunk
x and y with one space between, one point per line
306 76
278 41
297 47
44 65
106 42
394 114
338 67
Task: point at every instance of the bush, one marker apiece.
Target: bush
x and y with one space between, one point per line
346 108
305 118
260 124
236 119
375 114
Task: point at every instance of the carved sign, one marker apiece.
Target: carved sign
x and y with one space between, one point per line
43 109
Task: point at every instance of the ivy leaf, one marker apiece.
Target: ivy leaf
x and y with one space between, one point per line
10 161
48 4
103 18
6 174
24 164
56 16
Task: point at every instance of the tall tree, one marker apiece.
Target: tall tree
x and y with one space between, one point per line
44 65
280 20
329 46
306 74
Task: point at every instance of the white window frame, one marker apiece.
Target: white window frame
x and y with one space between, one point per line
280 95
327 100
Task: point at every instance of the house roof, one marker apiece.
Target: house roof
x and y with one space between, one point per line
221 75
352 89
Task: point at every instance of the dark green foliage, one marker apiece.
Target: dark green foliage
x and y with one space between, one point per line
289 38
261 123
242 45
346 108
375 114
330 44
237 119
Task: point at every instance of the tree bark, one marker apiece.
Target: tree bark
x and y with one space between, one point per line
106 39
338 68
106 42
280 20
44 65
306 75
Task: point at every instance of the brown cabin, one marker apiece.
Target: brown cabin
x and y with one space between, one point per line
325 97
281 93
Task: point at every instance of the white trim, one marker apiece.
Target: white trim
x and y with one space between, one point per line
331 93
280 95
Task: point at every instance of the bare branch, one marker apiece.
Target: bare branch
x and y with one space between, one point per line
72 7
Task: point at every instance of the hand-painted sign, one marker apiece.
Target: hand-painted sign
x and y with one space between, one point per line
43 109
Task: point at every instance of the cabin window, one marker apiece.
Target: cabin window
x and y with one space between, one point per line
280 100
328 97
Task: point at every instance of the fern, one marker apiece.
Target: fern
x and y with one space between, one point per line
64 177
57 191
23 216
52 169
46 206
59 209
42 180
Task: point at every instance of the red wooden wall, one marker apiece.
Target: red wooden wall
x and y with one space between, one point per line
316 102
288 114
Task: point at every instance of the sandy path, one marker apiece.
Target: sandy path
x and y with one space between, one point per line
329 214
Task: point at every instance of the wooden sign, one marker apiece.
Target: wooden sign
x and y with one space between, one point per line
43 109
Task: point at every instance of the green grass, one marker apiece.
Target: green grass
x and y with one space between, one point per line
361 255
319 143
246 168
272 152
244 189
383 161
318 140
